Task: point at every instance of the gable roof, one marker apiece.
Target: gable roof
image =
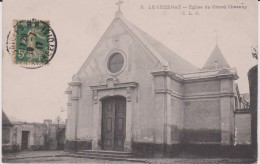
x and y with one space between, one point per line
216 60
5 120
169 59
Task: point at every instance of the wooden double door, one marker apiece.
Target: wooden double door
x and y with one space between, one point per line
113 123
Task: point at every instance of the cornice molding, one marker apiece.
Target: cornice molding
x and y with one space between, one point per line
115 86
75 83
167 91
68 91
194 96
221 74
171 74
74 98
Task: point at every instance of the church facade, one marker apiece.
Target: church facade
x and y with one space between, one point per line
135 94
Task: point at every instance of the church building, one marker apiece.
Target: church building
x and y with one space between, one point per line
134 94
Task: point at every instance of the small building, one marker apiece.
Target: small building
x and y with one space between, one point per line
32 136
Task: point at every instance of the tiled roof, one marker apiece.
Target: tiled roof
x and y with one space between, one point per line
176 63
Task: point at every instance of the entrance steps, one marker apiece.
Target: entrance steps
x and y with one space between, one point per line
109 155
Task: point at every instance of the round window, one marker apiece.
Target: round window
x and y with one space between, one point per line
115 62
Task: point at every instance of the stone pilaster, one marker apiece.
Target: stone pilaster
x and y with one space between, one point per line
75 96
68 128
226 107
129 110
96 130
163 101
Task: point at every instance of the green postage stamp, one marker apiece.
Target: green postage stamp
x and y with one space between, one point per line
32 44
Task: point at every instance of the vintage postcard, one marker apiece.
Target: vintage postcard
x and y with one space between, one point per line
123 81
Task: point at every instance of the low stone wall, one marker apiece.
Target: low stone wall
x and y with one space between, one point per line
212 151
10 148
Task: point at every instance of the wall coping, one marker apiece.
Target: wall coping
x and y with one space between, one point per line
199 76
242 111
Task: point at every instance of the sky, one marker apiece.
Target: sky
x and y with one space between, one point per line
34 95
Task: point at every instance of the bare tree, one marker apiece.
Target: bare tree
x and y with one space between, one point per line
255 52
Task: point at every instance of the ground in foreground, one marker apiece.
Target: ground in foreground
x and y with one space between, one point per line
62 157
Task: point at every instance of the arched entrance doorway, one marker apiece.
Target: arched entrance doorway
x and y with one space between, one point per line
113 123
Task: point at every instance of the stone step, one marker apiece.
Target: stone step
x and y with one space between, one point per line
194 156
99 154
109 158
108 152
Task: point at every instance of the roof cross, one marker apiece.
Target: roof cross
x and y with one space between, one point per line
119 3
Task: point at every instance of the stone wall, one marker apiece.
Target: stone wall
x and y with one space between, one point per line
242 129
202 121
176 126
205 87
202 117
7 145
253 88
6 135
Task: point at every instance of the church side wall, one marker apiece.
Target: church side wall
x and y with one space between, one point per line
176 108
202 115
176 123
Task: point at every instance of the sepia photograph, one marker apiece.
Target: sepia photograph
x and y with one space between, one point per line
129 81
